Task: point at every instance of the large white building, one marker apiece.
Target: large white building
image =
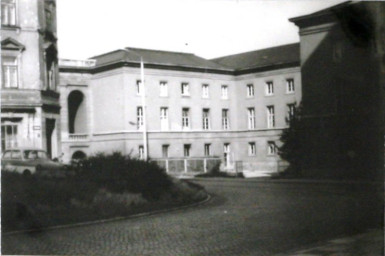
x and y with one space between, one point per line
231 108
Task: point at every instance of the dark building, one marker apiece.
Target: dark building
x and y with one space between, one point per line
342 69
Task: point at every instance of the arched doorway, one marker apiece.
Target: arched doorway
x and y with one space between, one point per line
77 114
78 155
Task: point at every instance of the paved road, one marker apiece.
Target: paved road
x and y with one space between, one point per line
243 218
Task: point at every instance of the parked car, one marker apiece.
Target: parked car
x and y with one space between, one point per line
29 161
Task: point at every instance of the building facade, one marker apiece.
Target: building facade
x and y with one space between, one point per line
30 108
342 67
196 109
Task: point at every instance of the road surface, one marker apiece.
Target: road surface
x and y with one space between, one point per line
243 218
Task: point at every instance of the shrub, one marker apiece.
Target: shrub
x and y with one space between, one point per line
119 174
292 149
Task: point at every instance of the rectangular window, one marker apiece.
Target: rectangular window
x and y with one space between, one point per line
290 85
226 154
290 112
206 118
269 88
8 12
207 149
165 151
225 119
270 117
141 152
163 90
186 150
224 92
205 91
164 119
252 149
139 117
251 118
271 148
9 71
139 87
185 89
8 136
250 90
185 118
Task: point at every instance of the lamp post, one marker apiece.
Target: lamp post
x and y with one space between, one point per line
143 92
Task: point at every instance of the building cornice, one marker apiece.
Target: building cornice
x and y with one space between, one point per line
316 29
116 65
266 68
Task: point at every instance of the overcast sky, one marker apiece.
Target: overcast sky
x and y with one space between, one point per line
207 28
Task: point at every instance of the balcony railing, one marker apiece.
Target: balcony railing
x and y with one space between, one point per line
77 63
188 165
78 137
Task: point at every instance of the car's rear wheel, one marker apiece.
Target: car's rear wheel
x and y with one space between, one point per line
27 173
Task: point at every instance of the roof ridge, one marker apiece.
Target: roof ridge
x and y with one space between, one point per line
259 50
154 50
106 53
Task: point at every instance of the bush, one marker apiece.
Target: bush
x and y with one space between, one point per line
292 149
216 172
105 186
25 199
119 174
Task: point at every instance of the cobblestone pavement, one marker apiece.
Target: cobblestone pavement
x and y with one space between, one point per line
367 244
243 218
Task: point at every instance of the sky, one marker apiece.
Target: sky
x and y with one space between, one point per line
207 28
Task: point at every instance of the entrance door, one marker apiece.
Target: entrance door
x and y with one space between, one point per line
49 132
226 154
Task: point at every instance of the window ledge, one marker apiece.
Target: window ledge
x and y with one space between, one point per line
10 27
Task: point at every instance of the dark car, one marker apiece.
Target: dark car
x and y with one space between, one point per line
29 161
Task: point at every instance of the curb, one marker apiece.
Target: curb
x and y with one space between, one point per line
88 223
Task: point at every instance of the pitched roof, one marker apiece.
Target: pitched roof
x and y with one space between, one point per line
157 57
284 54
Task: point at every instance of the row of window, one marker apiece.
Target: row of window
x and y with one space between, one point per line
225 118
185 89
252 150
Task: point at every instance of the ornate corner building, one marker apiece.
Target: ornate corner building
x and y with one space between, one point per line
30 109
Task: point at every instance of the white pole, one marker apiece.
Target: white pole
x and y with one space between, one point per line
144 109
